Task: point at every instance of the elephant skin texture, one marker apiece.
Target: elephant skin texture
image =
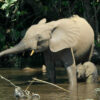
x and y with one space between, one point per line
87 72
56 38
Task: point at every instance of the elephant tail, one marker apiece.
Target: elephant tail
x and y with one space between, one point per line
91 52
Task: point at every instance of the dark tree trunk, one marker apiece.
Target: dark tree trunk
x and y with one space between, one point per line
90 13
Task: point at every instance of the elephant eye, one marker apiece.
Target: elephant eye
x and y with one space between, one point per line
41 42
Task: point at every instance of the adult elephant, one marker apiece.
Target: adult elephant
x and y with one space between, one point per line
55 39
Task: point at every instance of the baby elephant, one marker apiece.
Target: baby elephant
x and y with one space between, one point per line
88 72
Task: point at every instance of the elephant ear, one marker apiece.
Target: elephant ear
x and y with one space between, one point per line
43 21
64 36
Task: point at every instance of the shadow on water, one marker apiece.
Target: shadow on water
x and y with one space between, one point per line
46 92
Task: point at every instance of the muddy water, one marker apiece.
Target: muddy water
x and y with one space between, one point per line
46 92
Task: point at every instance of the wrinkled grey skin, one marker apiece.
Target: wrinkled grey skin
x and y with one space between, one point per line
88 71
55 39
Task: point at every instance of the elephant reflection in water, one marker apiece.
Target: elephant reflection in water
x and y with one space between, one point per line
55 39
87 71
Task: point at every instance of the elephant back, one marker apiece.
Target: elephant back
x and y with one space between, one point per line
86 38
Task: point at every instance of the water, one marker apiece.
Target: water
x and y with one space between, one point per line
46 92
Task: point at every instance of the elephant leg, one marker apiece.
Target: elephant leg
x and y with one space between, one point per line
72 75
71 69
51 73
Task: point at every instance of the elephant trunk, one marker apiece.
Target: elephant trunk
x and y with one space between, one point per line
18 48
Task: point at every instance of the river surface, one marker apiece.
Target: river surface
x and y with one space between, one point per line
46 92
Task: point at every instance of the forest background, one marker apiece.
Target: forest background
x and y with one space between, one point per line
17 15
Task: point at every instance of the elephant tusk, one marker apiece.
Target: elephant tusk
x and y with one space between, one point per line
31 52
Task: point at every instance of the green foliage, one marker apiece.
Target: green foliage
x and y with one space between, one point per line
97 44
2 40
15 35
7 4
95 3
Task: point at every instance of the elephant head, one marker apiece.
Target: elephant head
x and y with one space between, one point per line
36 38
80 71
90 69
56 35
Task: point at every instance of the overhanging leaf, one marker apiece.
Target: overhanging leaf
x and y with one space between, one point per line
4 6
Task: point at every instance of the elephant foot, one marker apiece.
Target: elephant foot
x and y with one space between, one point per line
72 76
